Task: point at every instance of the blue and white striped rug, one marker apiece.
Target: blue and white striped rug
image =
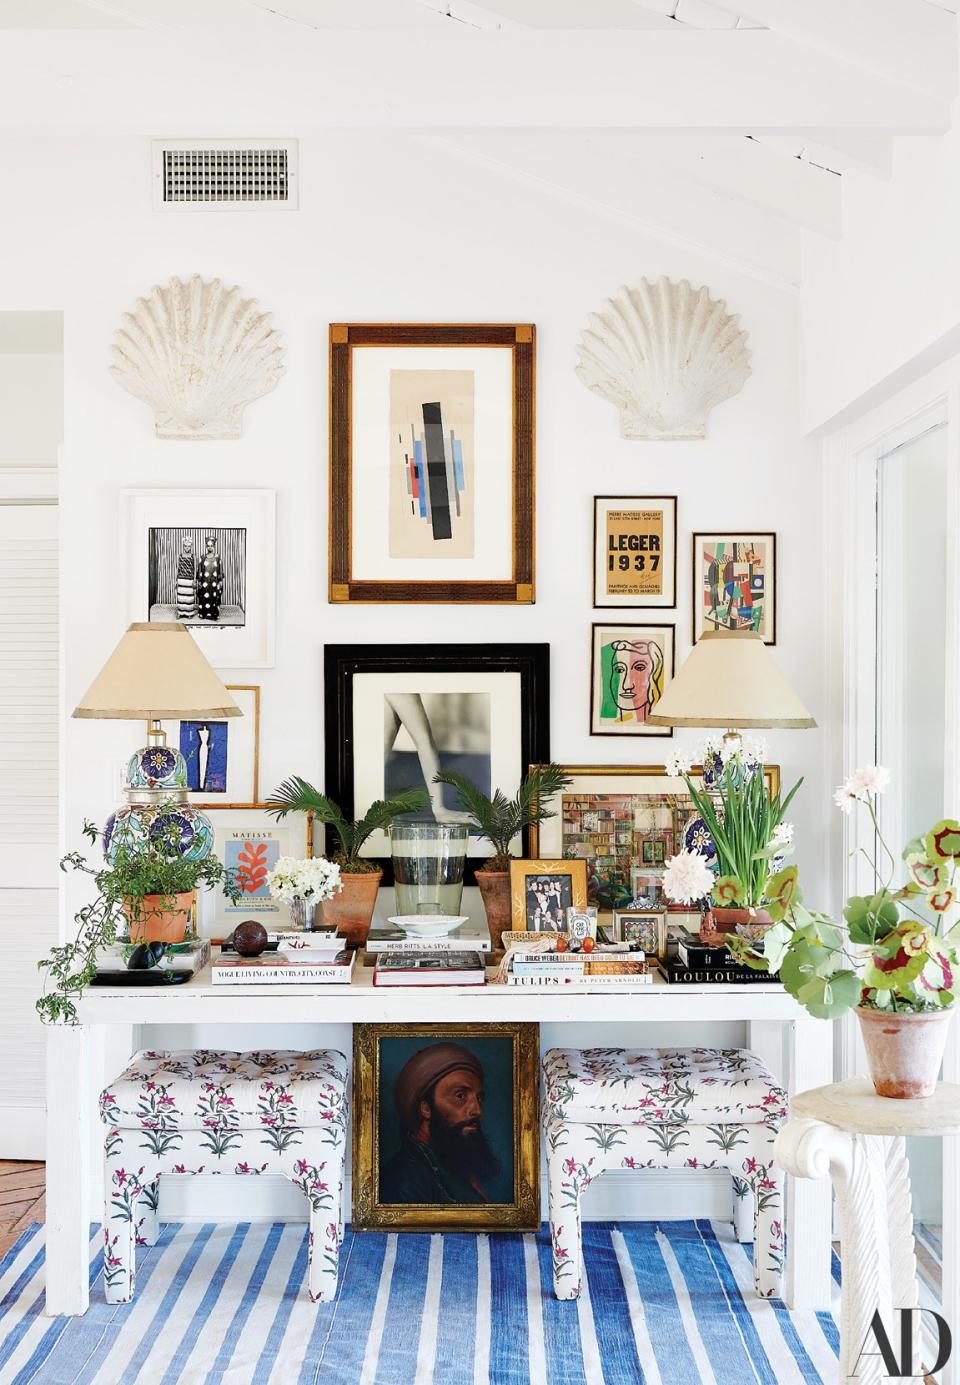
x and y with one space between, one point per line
669 1302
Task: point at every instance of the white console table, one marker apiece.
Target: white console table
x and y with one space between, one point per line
792 1044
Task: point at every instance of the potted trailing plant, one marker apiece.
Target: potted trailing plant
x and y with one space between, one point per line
893 959
148 893
498 820
350 911
740 837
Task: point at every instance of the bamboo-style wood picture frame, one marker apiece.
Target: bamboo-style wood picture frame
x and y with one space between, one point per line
523 1213
519 872
521 339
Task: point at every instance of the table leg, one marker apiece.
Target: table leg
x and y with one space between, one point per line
69 1107
809 1208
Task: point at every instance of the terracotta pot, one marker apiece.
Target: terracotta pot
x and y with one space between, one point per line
904 1050
494 886
350 911
160 918
719 920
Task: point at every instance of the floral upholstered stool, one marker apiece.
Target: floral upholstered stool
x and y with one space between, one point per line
202 1111
662 1108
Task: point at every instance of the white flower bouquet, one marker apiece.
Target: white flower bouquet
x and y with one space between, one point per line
314 879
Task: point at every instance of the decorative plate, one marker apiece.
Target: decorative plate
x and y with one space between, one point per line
428 925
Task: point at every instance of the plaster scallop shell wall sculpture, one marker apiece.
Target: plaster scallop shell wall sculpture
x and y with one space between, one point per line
664 354
197 352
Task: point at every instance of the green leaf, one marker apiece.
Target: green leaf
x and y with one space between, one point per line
781 890
728 892
827 997
776 940
897 977
942 842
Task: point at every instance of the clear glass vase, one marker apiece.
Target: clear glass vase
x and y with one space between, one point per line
306 915
428 864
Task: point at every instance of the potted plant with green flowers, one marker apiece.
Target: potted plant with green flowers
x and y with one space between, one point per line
351 910
499 820
893 959
147 895
734 849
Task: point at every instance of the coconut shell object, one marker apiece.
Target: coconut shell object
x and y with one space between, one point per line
249 938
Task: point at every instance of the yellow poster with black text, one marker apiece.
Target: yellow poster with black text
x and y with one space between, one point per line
634 553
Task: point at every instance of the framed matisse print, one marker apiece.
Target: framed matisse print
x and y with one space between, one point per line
432 462
223 757
735 583
205 559
630 667
542 892
634 550
446 1126
249 842
396 714
615 818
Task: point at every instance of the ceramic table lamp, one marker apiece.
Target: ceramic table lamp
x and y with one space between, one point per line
157 671
730 679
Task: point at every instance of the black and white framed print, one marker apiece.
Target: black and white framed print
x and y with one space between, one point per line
206 559
396 714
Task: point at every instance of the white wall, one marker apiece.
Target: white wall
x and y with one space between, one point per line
31 408
392 229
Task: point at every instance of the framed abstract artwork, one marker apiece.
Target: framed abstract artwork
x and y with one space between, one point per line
630 668
223 757
432 462
396 714
446 1132
735 583
647 928
542 891
249 843
618 818
634 550
206 559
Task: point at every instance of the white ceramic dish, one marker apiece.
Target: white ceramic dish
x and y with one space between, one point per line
428 925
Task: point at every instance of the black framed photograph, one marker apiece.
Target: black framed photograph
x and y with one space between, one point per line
446 1134
397 714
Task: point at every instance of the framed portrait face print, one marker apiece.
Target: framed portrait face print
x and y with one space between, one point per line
413 1086
634 550
432 462
206 559
735 583
396 714
630 668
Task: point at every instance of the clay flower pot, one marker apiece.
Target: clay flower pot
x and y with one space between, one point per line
731 920
904 1050
494 886
158 918
350 911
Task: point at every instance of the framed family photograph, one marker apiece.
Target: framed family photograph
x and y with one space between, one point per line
223 757
206 559
634 550
630 668
432 462
735 583
446 1129
543 891
616 818
396 714
249 842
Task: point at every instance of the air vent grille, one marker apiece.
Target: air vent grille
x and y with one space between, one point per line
222 175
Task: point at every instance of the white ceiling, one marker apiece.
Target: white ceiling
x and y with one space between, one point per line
729 124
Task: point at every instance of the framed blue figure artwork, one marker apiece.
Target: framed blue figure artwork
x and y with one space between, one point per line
223 757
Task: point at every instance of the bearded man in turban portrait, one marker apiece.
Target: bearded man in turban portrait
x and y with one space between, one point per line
444 1156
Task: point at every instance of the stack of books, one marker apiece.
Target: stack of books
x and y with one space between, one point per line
179 962
698 964
430 968
585 971
310 959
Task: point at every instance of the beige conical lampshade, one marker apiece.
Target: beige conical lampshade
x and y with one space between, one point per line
730 679
156 671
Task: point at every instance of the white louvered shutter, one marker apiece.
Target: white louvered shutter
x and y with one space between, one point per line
28 811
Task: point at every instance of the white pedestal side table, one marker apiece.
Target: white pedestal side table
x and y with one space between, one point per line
857 1137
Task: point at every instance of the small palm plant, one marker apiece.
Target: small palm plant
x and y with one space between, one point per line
295 795
499 819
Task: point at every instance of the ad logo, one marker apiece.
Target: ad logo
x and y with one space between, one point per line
906 1365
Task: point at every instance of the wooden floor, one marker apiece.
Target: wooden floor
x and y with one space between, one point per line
21 1199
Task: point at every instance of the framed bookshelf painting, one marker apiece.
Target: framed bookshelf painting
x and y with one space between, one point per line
432 462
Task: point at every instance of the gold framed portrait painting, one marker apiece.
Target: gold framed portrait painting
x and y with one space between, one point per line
446 1131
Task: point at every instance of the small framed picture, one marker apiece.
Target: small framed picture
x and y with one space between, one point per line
634 550
446 1134
735 583
648 929
223 757
630 668
249 842
581 923
543 891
